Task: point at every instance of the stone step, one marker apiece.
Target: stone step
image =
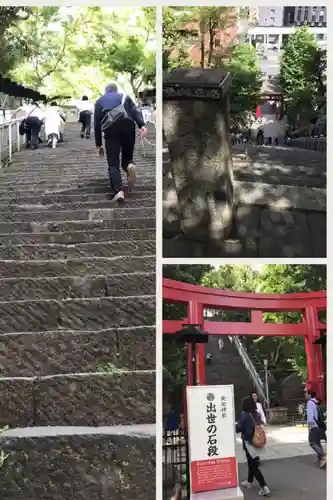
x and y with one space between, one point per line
41 206
62 182
64 351
77 314
67 463
87 167
115 285
71 198
76 237
94 214
79 399
84 225
76 267
94 249
149 185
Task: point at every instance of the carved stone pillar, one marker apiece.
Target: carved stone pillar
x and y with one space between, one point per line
196 128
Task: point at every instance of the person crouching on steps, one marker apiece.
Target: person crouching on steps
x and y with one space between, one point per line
249 419
85 110
115 117
54 124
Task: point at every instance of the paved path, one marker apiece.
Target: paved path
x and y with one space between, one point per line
291 479
282 442
281 211
287 455
77 324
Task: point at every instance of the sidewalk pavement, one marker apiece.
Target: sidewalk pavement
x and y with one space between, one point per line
298 478
282 442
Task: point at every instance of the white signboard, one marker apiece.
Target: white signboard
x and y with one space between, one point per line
212 440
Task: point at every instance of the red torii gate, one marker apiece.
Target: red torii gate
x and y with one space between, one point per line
199 297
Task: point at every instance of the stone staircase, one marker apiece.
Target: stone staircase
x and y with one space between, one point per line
280 206
77 327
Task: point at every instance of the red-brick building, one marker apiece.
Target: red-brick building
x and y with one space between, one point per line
224 37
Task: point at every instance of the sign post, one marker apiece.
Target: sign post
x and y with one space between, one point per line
212 443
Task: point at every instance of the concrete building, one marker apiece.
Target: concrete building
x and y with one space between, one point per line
269 34
276 24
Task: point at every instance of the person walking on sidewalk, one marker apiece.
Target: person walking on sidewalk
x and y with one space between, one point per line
85 110
249 419
260 410
315 425
115 116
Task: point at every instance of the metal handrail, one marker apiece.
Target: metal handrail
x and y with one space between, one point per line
258 383
10 140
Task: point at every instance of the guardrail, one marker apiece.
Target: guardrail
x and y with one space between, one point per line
10 140
258 383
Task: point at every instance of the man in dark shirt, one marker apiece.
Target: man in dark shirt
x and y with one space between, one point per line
119 137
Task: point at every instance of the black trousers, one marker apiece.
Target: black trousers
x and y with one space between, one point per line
119 140
34 126
85 120
254 471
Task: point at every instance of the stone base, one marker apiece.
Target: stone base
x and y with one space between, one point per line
226 494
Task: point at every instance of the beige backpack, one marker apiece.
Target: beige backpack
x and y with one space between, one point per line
259 436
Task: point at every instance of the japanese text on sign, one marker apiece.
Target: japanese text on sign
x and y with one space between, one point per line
223 407
211 416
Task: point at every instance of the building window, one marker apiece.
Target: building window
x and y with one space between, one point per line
217 42
299 14
306 14
289 16
260 38
273 40
314 14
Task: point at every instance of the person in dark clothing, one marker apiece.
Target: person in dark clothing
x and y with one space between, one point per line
246 426
260 137
85 110
119 136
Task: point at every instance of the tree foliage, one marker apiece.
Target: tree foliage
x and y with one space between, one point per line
246 83
76 50
175 38
302 76
11 47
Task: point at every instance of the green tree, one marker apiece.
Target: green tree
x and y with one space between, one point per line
11 47
210 20
246 83
47 35
126 49
80 49
301 76
175 38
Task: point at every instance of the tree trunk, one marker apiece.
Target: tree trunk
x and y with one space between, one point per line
202 44
211 44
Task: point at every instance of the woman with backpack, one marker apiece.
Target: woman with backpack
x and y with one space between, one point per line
254 440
